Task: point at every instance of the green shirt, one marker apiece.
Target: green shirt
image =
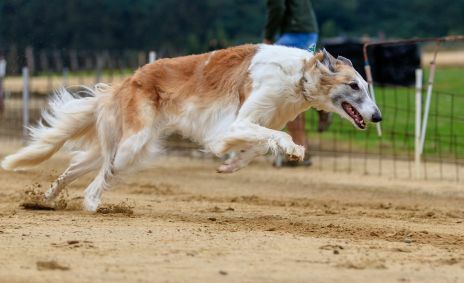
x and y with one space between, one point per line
294 16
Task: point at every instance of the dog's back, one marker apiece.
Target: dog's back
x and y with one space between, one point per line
189 94
210 76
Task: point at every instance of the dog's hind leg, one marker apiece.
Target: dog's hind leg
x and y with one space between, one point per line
138 150
109 136
131 153
82 163
92 195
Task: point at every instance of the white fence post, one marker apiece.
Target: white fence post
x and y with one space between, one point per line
151 56
30 62
25 102
2 75
99 68
2 67
428 98
367 69
65 77
417 153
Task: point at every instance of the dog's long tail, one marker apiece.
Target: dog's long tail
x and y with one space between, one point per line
70 118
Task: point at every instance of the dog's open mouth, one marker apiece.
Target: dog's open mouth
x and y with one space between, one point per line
354 114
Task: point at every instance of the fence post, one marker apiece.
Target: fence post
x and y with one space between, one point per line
99 68
141 59
433 65
417 153
73 60
151 57
43 61
65 77
30 62
370 81
58 61
2 75
25 102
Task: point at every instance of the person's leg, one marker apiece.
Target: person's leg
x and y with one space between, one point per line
298 40
325 118
296 128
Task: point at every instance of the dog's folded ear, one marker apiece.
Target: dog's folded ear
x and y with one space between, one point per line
343 60
328 61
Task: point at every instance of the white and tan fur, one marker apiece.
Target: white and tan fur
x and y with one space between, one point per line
235 99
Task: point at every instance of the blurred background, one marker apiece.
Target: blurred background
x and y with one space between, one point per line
49 44
174 27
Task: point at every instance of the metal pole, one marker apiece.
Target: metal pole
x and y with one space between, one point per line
2 75
30 59
429 96
151 56
65 77
99 69
418 121
370 81
25 102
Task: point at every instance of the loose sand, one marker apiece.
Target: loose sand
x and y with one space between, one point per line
182 222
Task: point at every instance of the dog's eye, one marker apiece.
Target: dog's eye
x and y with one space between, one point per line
354 86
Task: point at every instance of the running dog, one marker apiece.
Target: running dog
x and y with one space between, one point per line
236 99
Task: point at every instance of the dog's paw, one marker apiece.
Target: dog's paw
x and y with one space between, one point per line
91 204
291 150
295 153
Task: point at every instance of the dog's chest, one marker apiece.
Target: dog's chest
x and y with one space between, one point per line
281 116
275 110
203 124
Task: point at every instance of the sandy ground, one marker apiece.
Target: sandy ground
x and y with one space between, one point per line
182 222
445 58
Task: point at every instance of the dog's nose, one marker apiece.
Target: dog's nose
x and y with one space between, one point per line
376 117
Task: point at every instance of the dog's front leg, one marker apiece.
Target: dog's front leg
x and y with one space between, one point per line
250 140
241 159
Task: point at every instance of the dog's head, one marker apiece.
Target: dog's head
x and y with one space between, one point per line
340 89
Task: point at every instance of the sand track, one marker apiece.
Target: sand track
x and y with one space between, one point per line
189 224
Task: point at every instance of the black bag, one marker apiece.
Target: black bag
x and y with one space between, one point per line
390 64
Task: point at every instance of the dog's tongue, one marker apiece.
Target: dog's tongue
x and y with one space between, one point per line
354 114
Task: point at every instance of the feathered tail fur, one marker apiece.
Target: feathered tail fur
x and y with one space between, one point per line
69 118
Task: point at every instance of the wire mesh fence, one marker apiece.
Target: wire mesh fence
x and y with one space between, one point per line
51 70
342 148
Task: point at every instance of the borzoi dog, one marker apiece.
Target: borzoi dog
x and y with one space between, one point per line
236 99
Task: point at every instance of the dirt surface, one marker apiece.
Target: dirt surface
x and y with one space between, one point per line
445 58
182 222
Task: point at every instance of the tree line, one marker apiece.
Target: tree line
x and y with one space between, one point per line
186 26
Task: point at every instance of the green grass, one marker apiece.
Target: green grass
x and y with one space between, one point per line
449 80
445 130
